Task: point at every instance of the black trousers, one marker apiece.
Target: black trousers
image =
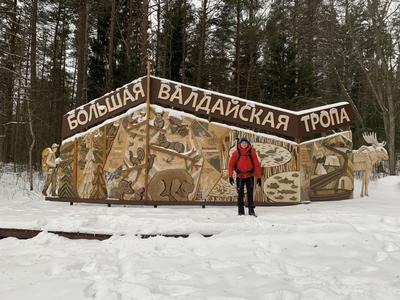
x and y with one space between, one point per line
240 184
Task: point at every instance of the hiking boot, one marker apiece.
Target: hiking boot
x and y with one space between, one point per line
241 211
252 212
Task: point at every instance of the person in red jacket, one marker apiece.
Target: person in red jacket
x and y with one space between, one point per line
244 161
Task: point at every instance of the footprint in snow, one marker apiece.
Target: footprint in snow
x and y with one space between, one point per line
175 276
381 256
390 247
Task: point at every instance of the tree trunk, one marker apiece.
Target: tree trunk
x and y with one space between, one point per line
18 119
9 87
144 37
166 68
82 51
55 75
200 61
62 78
110 68
389 119
252 51
158 52
33 87
184 24
129 35
237 49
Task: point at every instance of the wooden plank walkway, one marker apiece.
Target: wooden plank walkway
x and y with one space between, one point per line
30 233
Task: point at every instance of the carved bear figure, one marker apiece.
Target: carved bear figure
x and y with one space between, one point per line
138 194
124 187
171 185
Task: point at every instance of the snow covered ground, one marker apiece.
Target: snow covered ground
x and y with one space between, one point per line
326 250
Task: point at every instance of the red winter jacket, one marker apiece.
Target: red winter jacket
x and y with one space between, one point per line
244 165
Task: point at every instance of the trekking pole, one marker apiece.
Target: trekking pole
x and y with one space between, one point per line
237 175
238 185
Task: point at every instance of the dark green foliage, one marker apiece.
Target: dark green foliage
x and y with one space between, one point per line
292 54
125 69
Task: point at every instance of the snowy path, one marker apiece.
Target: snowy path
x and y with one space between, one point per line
332 250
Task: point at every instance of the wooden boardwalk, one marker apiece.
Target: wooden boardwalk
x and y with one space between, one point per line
30 233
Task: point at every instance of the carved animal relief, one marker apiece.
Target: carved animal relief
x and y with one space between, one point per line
367 156
171 185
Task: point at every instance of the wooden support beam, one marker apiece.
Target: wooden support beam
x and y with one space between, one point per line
161 149
158 129
75 167
138 167
147 137
135 126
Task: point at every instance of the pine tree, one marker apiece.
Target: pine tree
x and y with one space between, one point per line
279 64
99 190
65 189
89 171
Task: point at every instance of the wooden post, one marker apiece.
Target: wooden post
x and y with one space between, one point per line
105 146
147 138
298 161
75 166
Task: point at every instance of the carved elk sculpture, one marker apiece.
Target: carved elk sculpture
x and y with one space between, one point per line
366 157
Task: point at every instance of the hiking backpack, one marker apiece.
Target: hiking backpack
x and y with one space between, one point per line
251 159
45 154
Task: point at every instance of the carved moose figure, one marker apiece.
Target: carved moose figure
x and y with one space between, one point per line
367 156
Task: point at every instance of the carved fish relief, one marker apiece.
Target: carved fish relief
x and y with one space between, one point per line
287 192
286 181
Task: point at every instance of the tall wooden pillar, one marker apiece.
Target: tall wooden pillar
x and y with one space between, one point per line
147 138
75 167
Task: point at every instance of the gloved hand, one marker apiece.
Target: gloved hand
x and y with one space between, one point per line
259 181
231 181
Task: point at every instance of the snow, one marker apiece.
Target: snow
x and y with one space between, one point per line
341 133
324 250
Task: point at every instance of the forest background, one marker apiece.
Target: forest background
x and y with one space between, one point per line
56 55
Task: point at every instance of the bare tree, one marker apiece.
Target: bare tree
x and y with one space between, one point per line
184 40
381 69
110 63
33 87
144 37
82 52
202 43
237 48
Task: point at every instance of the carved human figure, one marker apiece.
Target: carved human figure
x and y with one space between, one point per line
366 157
49 166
